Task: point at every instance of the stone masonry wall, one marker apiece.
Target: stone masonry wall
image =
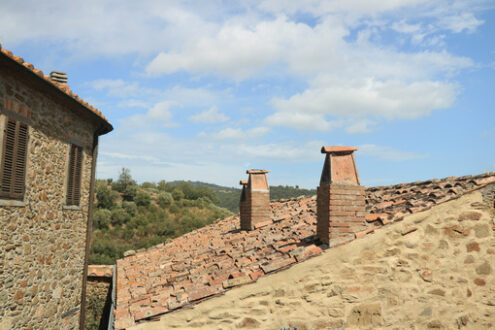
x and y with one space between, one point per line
341 211
42 246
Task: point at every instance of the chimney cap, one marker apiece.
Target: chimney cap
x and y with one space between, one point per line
253 171
243 182
337 149
59 77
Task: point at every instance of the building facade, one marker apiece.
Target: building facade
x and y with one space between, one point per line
48 148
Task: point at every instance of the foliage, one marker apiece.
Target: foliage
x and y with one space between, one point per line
156 213
165 199
177 194
129 207
105 196
142 199
102 218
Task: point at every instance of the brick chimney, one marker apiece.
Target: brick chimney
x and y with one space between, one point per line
257 203
340 197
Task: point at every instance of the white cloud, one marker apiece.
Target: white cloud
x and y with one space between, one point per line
121 88
209 116
119 155
388 153
235 51
237 133
159 113
301 120
463 22
360 126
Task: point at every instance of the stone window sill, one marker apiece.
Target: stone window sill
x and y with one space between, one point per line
71 207
12 202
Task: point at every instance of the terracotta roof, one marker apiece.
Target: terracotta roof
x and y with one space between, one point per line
215 258
64 88
100 271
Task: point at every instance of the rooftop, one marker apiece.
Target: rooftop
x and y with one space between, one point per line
215 258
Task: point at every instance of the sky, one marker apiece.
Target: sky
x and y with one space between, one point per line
203 90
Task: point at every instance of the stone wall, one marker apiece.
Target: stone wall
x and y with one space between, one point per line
43 241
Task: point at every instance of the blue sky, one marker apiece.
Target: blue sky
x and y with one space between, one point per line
205 90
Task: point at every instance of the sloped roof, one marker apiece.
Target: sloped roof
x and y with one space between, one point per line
63 88
215 258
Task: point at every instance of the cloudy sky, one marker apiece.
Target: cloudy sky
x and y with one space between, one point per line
203 90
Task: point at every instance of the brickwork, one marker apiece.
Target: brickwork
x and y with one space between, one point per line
256 207
43 241
341 212
340 198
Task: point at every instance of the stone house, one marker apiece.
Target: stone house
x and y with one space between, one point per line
48 148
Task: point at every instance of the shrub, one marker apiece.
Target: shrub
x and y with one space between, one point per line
177 194
129 193
130 208
102 218
119 216
142 199
106 197
148 185
165 199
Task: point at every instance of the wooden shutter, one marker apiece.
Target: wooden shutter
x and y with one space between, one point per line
74 179
14 157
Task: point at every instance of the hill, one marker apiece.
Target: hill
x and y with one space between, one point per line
228 197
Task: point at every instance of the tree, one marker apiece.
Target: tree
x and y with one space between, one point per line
142 199
125 180
177 194
106 197
165 199
102 218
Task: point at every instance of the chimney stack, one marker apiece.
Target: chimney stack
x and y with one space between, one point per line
340 197
256 206
59 77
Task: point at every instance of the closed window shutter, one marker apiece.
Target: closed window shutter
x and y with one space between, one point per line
14 158
74 179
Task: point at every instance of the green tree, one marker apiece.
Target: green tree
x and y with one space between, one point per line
125 180
129 207
102 218
105 196
119 216
177 194
142 199
165 199
129 193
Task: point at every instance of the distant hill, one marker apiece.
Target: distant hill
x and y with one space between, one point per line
228 197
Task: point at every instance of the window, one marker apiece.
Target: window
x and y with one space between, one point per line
14 154
74 179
